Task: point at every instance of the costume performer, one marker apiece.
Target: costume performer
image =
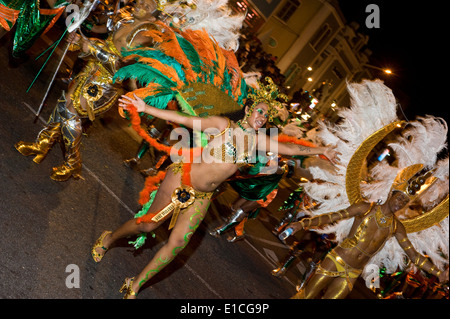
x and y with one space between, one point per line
30 20
292 210
91 92
311 248
368 227
258 189
255 190
190 66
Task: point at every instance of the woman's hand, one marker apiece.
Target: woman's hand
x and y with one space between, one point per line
139 104
331 154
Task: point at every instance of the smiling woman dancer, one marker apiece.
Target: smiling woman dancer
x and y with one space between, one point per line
202 74
220 159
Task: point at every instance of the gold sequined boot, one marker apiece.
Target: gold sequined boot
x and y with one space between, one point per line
44 142
46 137
72 165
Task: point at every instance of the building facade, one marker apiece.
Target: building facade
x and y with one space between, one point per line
315 48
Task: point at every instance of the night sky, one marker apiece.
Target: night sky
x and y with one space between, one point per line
411 41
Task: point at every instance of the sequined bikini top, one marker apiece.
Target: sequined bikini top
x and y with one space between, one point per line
236 148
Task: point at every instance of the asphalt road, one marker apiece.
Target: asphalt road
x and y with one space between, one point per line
47 227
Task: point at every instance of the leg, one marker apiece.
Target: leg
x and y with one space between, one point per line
131 228
239 232
313 287
249 205
339 288
71 132
143 148
187 223
249 208
46 137
238 204
239 209
294 252
317 281
238 216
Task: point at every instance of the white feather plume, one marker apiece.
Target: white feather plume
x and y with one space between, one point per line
215 16
373 106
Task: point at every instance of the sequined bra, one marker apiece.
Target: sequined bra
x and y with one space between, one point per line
228 151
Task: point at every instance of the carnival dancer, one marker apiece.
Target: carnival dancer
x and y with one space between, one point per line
204 177
184 193
30 19
257 184
373 226
256 190
92 91
368 228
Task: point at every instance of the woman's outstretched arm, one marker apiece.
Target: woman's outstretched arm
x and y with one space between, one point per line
194 122
267 144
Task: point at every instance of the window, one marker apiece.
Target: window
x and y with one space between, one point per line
273 42
292 74
252 18
320 36
288 9
338 73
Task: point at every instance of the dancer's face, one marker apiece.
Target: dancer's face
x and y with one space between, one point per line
259 116
397 201
144 8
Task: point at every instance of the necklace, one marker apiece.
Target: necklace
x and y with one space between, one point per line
241 126
383 220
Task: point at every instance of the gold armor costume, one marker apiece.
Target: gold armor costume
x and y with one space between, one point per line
92 92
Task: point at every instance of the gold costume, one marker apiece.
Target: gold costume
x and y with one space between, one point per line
94 93
95 82
182 197
343 270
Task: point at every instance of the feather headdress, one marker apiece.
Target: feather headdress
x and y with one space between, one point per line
373 110
214 16
179 63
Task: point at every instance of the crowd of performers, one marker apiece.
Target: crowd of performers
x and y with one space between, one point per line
171 65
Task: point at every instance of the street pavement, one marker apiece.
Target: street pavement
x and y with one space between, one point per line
48 227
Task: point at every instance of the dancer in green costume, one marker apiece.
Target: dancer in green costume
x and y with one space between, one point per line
30 20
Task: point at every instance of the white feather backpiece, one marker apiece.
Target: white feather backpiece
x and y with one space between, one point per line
373 106
215 16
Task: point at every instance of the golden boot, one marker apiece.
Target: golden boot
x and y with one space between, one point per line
44 142
72 165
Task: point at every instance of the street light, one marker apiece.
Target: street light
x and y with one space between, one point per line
387 71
